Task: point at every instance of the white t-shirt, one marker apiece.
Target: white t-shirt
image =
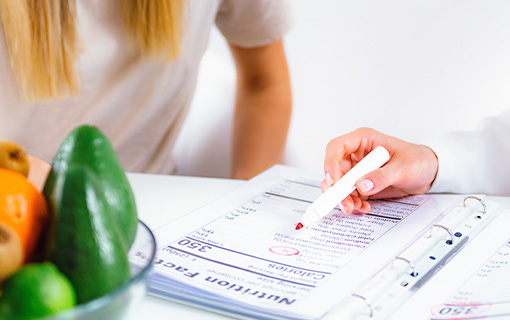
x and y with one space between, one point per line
475 161
138 103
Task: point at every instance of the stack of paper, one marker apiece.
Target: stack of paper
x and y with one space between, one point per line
242 255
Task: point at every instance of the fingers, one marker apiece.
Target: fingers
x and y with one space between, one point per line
347 204
324 186
354 204
365 208
345 151
376 181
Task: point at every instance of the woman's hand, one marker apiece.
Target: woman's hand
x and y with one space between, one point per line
38 172
411 169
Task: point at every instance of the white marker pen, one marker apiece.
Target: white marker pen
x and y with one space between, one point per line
343 187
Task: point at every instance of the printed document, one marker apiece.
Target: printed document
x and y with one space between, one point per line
242 254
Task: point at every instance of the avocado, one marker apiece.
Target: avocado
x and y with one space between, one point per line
88 146
85 243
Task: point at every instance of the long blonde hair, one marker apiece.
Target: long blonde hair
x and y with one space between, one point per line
42 40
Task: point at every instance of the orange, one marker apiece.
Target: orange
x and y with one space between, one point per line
23 209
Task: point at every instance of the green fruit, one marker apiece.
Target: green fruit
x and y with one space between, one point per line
87 146
35 291
86 245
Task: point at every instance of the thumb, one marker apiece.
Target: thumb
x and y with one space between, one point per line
374 182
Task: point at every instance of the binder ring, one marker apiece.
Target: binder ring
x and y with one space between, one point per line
410 263
445 228
479 200
367 302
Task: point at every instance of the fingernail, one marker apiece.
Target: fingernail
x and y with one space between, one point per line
329 178
365 185
341 207
362 211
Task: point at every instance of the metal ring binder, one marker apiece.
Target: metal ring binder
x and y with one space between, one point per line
479 200
410 263
445 228
367 302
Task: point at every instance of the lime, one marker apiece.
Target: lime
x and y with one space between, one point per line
35 291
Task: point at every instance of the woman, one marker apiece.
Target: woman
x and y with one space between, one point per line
130 68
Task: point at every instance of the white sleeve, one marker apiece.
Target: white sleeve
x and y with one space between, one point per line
477 161
252 23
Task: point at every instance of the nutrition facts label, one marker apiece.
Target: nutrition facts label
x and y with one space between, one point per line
253 252
244 251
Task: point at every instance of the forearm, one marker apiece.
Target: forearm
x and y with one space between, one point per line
263 108
261 123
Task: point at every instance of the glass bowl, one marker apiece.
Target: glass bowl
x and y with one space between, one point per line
121 303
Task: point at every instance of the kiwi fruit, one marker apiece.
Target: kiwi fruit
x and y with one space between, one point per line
13 157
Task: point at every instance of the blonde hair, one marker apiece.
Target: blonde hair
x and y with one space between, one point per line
42 40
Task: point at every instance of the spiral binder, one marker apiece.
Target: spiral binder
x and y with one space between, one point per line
413 267
410 263
366 301
445 228
479 200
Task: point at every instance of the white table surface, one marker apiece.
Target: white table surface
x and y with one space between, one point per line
161 199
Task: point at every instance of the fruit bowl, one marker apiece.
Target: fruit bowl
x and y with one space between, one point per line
121 303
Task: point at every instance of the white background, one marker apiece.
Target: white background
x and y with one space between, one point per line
412 69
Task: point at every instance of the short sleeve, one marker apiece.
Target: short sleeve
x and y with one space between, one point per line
252 23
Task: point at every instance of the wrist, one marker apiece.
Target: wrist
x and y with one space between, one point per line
432 165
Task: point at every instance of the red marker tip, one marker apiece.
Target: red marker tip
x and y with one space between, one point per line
299 226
